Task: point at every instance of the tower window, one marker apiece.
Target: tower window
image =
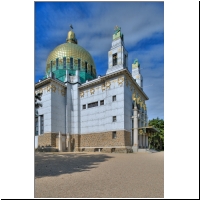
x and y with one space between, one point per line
114 59
79 64
86 67
56 63
64 62
84 106
71 63
114 118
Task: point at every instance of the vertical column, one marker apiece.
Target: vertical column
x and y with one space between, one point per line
68 110
60 141
135 132
75 128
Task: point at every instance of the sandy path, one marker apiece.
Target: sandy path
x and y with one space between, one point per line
98 175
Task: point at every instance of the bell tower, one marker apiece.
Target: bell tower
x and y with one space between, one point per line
117 56
136 73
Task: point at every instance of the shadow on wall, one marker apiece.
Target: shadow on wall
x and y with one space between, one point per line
54 164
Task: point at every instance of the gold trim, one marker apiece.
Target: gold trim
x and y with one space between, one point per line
120 80
134 96
108 84
103 87
141 132
82 94
92 91
53 88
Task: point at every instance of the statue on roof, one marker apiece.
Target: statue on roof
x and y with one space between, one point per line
136 60
117 29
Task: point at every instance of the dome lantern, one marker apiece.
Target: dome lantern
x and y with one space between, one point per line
71 38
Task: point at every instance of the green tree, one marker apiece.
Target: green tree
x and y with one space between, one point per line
156 140
38 97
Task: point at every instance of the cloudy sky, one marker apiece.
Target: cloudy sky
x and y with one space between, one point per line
142 24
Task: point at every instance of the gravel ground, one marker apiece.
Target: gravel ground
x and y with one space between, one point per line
98 175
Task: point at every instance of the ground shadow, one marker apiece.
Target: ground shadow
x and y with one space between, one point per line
54 164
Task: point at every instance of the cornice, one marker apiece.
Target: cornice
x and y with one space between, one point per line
48 80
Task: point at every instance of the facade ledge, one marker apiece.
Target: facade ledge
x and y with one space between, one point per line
48 80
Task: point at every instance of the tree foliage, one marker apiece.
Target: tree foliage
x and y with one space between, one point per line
38 97
156 140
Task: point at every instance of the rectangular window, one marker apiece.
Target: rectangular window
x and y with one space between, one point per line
71 63
114 98
114 135
94 104
64 62
102 102
114 59
36 126
79 64
91 69
41 124
51 65
84 106
114 118
86 67
56 63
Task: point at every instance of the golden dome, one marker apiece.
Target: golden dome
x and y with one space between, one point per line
71 50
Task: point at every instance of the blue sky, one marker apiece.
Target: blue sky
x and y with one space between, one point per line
142 24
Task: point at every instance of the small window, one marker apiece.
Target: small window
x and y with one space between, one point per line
114 118
51 65
91 69
64 62
56 63
102 102
114 135
114 59
114 98
84 106
79 64
71 63
86 67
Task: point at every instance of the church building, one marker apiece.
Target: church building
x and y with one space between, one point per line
85 112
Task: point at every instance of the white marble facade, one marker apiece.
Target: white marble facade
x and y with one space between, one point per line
66 105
